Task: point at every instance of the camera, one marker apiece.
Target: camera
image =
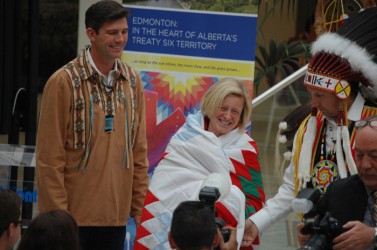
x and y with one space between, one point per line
208 196
324 229
323 226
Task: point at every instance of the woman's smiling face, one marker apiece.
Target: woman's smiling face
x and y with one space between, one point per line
228 116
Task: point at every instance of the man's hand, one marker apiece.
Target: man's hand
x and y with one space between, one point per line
232 243
302 238
250 233
357 237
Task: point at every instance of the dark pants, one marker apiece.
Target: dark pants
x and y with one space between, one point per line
102 238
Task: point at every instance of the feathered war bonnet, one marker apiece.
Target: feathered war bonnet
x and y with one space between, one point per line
342 60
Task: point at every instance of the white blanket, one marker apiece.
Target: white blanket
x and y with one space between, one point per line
191 156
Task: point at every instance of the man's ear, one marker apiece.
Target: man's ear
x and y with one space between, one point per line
11 229
216 239
171 241
91 34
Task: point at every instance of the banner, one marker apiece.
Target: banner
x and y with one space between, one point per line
179 55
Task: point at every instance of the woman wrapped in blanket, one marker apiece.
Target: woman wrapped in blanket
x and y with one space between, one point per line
212 141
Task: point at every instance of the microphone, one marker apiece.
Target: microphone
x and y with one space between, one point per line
220 182
215 187
303 203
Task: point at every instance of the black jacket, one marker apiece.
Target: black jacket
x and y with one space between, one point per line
345 199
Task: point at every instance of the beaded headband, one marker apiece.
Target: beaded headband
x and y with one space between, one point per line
348 55
339 87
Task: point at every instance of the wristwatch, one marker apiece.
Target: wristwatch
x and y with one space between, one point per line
375 238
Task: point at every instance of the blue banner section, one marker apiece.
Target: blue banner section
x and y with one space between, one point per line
201 34
26 196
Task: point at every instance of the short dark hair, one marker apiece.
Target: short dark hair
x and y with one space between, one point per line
193 226
10 209
103 12
55 229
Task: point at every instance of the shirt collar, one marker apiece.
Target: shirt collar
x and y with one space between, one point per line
354 112
90 59
90 68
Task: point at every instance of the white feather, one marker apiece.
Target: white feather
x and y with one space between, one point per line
358 57
339 154
283 126
287 155
282 139
306 152
347 151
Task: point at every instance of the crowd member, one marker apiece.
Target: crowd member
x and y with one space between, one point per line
55 229
10 219
212 141
340 78
353 200
193 226
91 140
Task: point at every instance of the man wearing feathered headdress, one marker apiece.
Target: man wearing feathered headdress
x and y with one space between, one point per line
342 81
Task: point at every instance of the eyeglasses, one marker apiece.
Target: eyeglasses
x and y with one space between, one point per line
363 123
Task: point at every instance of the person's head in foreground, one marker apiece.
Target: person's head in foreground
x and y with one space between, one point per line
193 227
55 229
10 218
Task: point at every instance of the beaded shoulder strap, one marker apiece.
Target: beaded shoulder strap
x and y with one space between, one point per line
131 79
79 118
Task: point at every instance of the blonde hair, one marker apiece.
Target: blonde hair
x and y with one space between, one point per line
215 95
